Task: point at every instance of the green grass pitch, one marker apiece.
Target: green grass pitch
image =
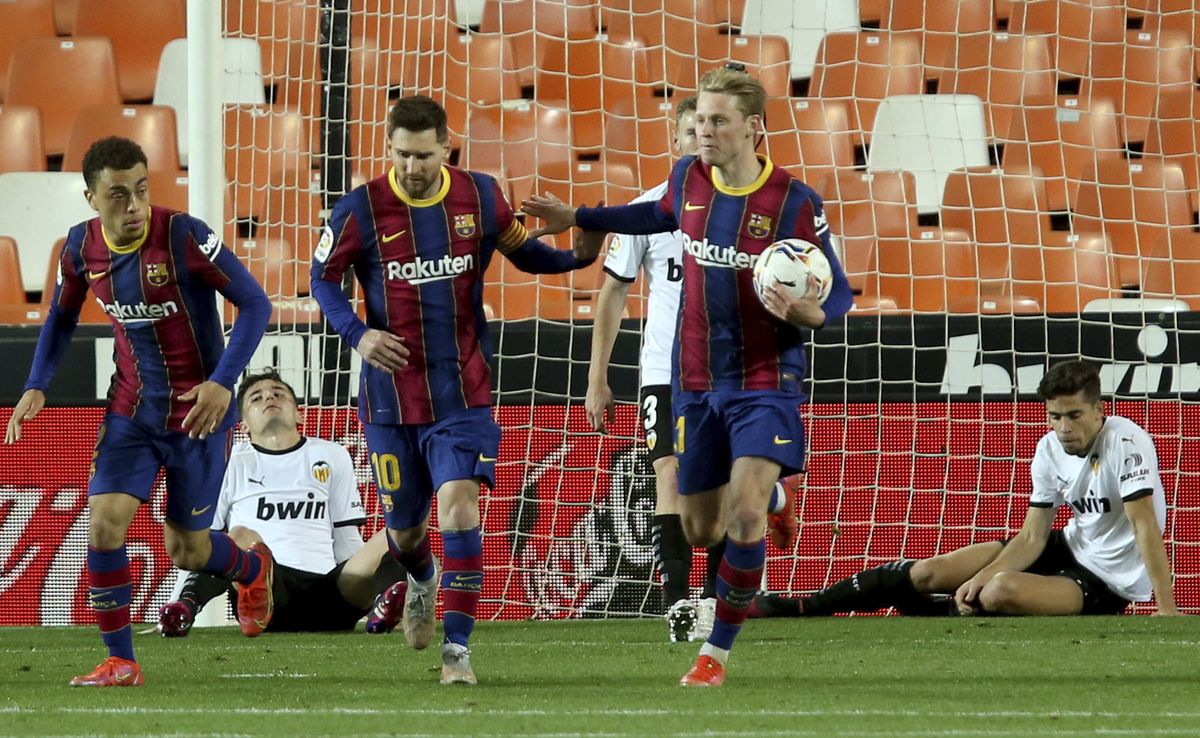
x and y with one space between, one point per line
1119 676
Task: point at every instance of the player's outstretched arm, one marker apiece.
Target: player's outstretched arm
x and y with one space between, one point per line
1020 552
639 218
556 215
1149 540
30 404
609 306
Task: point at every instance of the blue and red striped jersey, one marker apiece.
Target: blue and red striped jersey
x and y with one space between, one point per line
160 294
726 338
421 264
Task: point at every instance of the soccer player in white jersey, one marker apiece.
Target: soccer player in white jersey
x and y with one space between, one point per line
298 495
1109 554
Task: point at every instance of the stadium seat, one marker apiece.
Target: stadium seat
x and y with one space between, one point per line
526 24
1135 73
59 77
37 208
1133 203
861 69
151 126
991 304
12 292
765 57
1175 134
21 132
915 273
273 264
941 25
243 81
136 46
288 35
89 312
19 20
804 25
997 206
294 215
517 139
864 208
265 147
1002 70
517 295
64 16
1061 137
1065 276
1172 267
477 69
810 138
930 136
1076 29
637 133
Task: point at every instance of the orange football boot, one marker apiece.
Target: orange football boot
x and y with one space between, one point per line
706 672
256 602
113 671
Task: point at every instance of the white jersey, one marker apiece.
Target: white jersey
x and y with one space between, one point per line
293 499
661 256
1121 464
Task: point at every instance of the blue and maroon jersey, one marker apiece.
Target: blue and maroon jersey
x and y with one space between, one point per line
421 264
726 338
160 294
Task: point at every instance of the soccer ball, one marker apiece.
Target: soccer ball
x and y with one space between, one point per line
789 262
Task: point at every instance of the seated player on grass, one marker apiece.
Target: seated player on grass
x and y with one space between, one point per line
299 496
1109 554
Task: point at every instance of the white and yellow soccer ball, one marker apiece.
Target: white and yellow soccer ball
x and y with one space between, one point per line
788 263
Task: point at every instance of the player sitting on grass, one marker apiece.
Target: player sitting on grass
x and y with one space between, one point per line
299 495
1109 554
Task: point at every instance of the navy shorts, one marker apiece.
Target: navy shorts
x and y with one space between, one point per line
411 462
128 456
714 428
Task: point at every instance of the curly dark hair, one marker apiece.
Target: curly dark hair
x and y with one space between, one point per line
112 152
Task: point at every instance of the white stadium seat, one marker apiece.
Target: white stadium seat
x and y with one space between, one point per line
803 22
37 209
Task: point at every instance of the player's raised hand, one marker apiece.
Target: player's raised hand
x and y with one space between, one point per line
599 404
30 404
556 215
802 311
212 401
383 350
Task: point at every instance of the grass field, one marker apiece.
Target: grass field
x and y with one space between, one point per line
1131 676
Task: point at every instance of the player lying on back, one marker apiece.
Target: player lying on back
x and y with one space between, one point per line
738 363
298 495
1110 553
156 272
419 240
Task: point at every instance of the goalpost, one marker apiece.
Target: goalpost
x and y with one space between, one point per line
922 420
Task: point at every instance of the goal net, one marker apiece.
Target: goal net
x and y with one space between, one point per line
1008 188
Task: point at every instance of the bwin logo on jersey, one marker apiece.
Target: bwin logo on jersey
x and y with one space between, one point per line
321 471
310 509
419 271
728 257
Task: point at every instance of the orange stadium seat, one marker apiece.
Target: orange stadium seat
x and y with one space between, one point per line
90 312
288 35
1175 134
136 46
863 68
517 295
1135 73
1076 29
266 146
810 138
527 24
12 292
872 11
638 133
765 57
151 126
995 305
477 69
272 263
293 214
914 272
19 20
1172 269
59 77
1133 203
518 140
1065 276
997 206
1061 137
64 16
864 208
21 132
940 25
1002 70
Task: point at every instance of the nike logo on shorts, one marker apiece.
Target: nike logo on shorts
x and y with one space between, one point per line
782 441
201 510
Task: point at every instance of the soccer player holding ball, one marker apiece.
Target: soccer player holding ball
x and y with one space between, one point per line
738 360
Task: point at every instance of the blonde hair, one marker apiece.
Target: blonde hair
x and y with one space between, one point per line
751 97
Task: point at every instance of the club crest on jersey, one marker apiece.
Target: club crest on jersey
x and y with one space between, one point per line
464 224
156 274
321 471
759 225
386 501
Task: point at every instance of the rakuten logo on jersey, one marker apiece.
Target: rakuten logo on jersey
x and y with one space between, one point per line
728 257
141 312
430 270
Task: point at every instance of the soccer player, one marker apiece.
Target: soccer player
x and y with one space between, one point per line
299 496
1109 554
660 256
419 240
156 272
738 363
